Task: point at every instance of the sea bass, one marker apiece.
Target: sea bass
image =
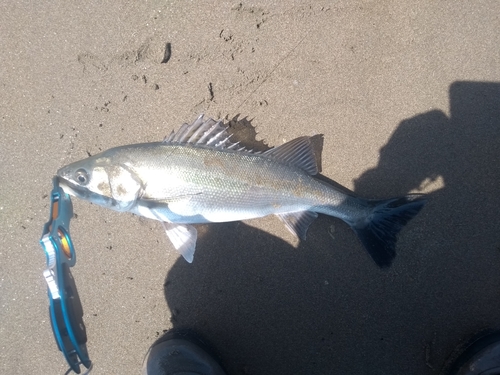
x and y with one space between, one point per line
197 175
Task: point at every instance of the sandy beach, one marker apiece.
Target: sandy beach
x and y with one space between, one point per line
407 98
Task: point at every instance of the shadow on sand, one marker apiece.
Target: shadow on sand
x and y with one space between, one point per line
325 308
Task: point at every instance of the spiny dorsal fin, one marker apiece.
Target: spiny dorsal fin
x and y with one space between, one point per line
297 152
204 132
208 132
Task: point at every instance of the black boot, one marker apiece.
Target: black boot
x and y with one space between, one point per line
180 352
480 357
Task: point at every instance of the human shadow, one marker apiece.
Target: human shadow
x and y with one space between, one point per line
324 307
456 251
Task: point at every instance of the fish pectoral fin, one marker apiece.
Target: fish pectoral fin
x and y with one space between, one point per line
183 237
180 205
168 200
298 222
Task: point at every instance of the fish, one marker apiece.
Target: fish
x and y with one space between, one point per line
200 175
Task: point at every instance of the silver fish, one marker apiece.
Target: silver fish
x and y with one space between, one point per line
197 175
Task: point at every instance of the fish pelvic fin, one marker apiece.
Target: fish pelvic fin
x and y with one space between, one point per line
378 231
183 237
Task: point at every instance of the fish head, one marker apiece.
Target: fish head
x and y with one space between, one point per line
99 180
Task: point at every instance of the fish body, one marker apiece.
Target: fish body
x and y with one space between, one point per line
197 176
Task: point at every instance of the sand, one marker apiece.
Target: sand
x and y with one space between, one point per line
407 96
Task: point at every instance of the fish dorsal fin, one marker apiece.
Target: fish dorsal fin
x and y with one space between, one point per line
298 152
207 132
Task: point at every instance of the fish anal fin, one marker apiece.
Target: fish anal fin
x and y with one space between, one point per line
183 237
298 152
298 222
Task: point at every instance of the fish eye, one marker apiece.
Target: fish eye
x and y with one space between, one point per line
82 177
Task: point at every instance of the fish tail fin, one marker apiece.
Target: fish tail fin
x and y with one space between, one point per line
379 229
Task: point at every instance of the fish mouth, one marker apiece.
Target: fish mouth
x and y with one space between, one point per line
69 187
81 192
73 189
